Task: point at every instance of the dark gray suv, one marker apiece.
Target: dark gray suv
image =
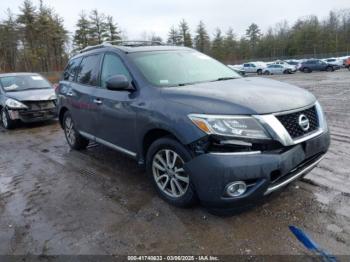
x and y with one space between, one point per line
202 131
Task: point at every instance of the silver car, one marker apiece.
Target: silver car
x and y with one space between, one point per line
276 69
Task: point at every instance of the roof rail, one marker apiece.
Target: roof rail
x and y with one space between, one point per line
88 48
134 43
131 43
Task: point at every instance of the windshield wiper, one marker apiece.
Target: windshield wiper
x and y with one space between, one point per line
224 79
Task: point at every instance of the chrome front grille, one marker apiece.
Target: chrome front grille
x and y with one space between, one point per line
291 122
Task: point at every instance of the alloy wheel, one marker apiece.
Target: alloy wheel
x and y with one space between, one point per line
69 130
169 174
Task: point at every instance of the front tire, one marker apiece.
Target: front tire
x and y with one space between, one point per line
267 72
329 69
74 139
165 160
259 72
307 70
6 121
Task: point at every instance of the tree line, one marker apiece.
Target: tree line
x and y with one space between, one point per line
35 39
308 36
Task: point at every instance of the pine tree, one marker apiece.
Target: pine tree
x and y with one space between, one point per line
174 38
26 22
82 33
202 40
230 45
184 30
218 50
98 27
253 34
8 43
112 30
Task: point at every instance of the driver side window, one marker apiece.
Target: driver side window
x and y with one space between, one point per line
112 65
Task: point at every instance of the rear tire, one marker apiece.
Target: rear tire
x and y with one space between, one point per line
259 72
164 164
6 121
74 139
267 72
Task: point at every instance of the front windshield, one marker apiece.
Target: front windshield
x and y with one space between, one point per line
23 82
179 68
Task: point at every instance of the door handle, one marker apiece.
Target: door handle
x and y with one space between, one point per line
70 93
97 101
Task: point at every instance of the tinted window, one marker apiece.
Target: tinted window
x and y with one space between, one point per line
246 65
112 65
89 70
71 69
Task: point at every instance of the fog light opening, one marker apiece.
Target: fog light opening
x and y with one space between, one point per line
236 189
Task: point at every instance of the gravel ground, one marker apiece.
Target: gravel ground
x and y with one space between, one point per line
57 201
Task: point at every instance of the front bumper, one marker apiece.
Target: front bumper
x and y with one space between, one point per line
263 172
32 116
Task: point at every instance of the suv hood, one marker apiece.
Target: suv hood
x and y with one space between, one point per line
33 95
244 96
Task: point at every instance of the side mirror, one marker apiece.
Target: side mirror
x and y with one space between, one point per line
118 82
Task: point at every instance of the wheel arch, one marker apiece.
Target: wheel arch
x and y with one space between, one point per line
154 134
61 113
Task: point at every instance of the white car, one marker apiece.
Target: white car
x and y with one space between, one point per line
334 61
254 67
275 69
286 65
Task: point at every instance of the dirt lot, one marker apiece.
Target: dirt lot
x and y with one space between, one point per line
57 201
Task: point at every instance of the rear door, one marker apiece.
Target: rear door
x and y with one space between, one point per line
279 69
83 103
247 68
116 116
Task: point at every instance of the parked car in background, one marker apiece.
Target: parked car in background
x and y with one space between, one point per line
211 136
334 61
254 67
317 65
288 67
275 69
26 97
347 63
295 63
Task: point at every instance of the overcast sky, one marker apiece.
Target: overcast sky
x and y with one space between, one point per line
138 16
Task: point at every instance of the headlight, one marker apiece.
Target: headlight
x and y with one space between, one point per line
234 126
321 117
53 97
11 103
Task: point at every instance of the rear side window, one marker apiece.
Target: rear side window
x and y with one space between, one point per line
89 70
71 69
112 65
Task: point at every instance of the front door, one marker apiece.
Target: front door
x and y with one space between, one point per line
116 116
